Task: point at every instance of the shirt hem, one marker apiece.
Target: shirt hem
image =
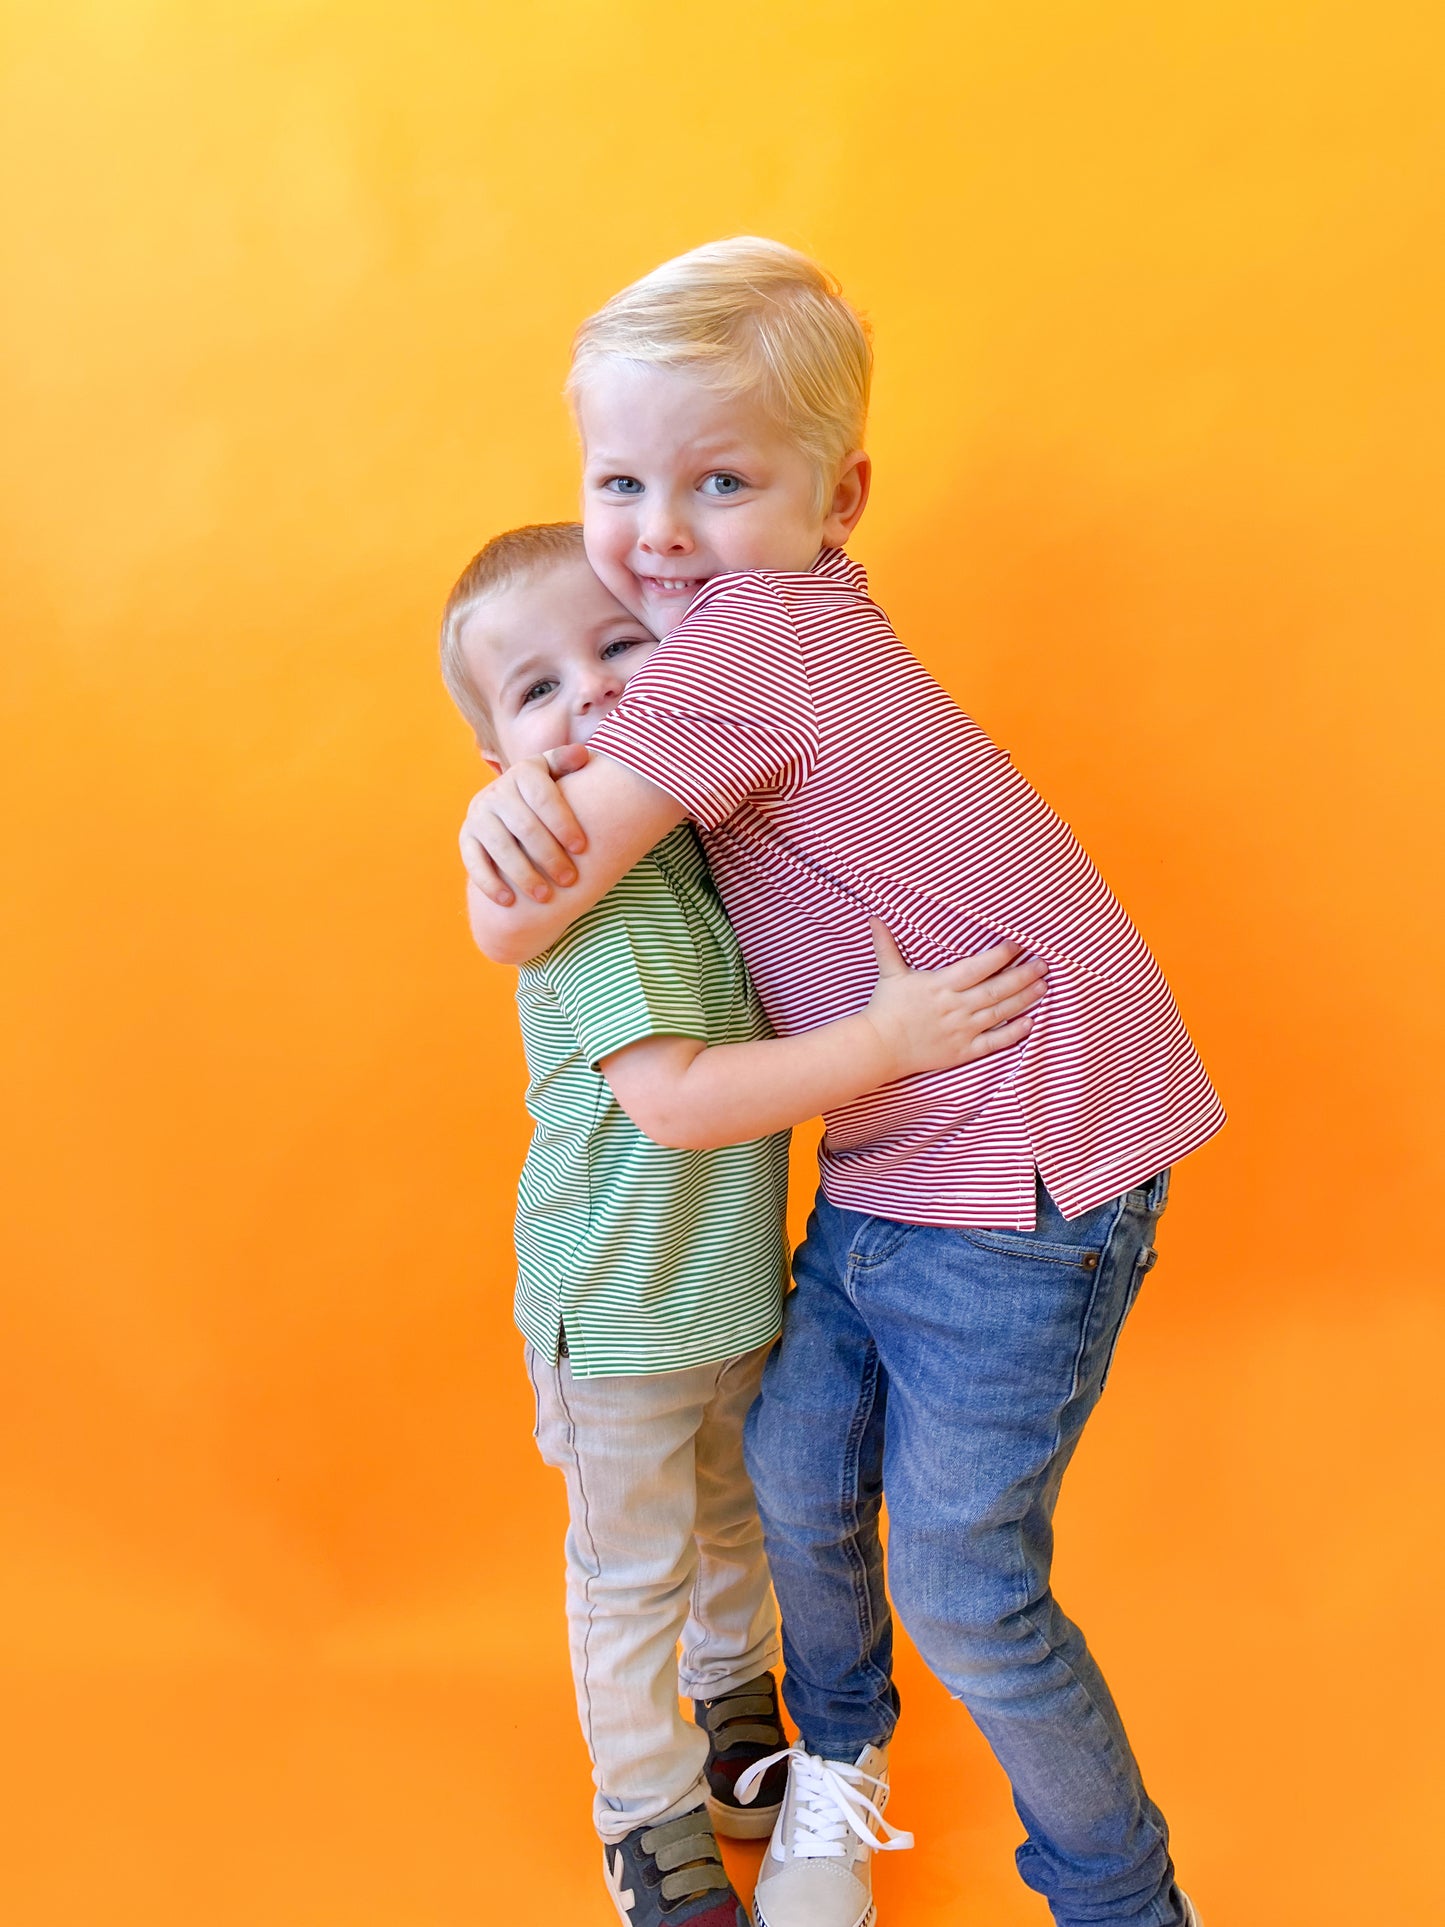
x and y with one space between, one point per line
1082 1193
706 1355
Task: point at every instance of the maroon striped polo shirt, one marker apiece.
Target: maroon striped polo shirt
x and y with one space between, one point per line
833 781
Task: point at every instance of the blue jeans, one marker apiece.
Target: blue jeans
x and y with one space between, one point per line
954 1370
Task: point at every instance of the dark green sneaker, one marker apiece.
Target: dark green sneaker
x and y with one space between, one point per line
742 1728
672 1876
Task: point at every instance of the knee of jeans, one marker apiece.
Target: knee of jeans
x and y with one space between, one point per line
970 1620
796 1507
973 1653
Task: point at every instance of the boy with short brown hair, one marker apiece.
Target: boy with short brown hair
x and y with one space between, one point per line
651 1248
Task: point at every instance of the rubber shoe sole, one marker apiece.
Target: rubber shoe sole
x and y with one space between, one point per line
760 1919
743 1823
742 1726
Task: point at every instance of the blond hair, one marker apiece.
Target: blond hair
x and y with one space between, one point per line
515 556
747 316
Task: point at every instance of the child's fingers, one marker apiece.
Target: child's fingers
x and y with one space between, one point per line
537 789
1000 1009
890 957
483 874
980 967
518 847
1030 975
522 846
479 867
1002 1037
566 758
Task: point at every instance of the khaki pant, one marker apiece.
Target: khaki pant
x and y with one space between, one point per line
663 1546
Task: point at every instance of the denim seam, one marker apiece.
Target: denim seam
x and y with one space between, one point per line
1021 1569
1157 1834
1143 1265
1101 1272
694 1597
865 1260
587 1592
529 1355
1047 1650
863 1604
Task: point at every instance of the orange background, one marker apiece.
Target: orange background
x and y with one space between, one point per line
1157 296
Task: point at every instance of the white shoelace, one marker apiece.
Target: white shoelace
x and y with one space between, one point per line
828 1803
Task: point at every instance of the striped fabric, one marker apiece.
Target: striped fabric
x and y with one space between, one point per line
651 1259
835 780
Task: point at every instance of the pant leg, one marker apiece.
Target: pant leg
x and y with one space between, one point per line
997 1345
815 1452
627 1450
731 1634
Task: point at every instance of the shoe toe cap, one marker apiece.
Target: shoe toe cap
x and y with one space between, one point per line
811 1893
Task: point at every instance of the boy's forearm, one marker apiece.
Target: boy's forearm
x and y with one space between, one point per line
695 1098
623 816
514 935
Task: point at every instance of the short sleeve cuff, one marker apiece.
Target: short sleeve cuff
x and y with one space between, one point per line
604 1041
663 749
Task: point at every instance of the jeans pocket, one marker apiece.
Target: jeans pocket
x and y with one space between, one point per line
1024 1244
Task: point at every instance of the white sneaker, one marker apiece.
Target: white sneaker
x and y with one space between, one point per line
818 1869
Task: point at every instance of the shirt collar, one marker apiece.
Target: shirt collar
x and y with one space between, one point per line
838 566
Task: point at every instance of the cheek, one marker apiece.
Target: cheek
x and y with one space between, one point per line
606 541
741 533
751 536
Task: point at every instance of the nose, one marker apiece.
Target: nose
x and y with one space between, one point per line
664 530
596 698
599 689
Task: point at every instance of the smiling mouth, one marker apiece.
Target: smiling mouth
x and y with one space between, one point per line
673 584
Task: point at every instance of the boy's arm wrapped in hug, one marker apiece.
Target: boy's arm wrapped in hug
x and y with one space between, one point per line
994 1167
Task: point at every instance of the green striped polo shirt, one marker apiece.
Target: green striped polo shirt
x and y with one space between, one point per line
646 1259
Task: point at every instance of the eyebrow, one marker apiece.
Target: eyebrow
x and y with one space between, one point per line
700 451
529 669
720 445
532 668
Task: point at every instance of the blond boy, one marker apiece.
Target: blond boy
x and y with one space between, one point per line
650 1244
980 1234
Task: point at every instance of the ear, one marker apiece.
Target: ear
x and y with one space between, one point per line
486 755
845 506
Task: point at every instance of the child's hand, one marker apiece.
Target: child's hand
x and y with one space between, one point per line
931 1020
519 829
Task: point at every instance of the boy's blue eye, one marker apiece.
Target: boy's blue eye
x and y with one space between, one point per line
623 485
616 648
538 690
724 482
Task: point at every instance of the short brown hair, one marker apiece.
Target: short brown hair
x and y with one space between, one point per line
514 556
